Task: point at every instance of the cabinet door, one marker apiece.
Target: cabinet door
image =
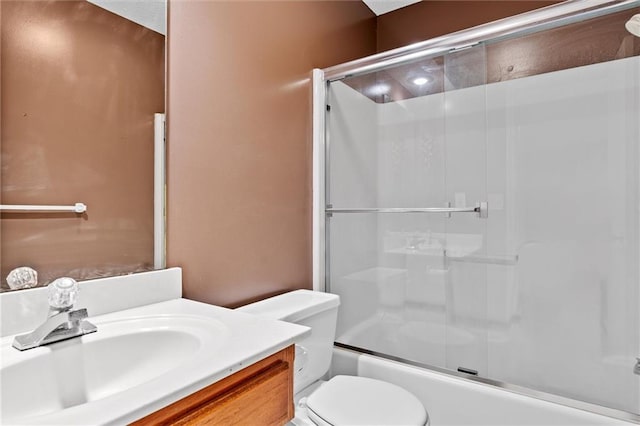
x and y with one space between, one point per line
260 394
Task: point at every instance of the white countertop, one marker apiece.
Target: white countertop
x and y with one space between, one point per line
245 340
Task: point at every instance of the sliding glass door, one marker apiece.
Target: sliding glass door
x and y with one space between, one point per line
406 234
482 210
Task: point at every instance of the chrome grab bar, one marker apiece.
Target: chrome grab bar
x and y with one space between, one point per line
15 208
481 209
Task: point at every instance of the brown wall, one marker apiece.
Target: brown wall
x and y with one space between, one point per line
239 128
239 138
432 18
79 87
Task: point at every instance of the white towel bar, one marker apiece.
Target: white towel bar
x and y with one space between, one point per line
16 208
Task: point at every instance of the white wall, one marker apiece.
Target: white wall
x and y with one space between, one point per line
566 145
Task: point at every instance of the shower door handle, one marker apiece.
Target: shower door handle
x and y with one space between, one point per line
481 209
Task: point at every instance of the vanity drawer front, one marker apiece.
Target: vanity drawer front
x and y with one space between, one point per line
261 400
261 394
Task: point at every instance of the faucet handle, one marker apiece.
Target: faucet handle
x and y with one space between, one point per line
63 293
22 277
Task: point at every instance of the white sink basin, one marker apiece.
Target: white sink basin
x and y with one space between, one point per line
138 361
123 354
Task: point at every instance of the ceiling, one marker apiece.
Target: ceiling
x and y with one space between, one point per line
148 13
380 7
151 13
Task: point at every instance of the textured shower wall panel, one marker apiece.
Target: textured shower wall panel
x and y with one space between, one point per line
563 148
411 165
411 145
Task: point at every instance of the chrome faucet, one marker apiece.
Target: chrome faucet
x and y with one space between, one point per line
62 322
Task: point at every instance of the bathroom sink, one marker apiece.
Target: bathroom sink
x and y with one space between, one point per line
122 355
146 354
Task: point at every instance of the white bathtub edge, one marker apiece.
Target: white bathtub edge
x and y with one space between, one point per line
455 401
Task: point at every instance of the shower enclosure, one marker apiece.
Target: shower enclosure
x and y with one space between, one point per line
478 203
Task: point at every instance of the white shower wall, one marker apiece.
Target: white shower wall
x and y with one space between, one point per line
545 292
569 147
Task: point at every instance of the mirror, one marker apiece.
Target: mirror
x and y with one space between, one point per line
80 85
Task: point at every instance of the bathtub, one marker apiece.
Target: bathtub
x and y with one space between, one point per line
452 400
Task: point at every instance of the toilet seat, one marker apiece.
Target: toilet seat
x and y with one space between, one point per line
351 400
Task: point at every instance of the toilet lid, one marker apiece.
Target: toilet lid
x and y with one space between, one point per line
351 400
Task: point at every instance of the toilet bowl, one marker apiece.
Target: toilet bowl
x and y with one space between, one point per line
351 400
342 400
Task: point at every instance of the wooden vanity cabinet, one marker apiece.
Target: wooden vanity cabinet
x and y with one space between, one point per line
260 394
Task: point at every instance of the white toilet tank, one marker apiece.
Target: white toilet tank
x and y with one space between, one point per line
314 309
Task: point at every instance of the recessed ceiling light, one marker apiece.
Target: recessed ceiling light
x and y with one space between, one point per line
420 81
378 89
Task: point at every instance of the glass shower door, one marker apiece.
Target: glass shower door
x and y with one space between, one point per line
466 183
564 155
542 294
405 170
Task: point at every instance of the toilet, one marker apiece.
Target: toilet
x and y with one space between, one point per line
342 400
